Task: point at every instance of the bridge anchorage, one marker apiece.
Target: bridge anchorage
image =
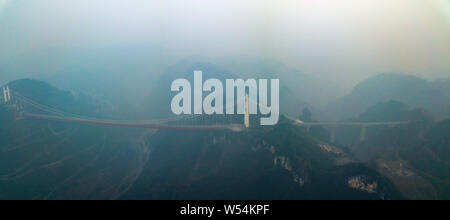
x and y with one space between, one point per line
11 102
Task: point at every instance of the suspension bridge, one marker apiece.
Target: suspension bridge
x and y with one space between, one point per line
25 107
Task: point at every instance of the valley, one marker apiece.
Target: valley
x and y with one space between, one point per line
41 159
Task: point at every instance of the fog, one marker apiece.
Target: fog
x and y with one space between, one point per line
343 41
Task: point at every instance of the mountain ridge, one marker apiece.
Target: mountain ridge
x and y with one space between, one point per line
410 90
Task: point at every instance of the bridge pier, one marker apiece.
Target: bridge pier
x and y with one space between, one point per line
333 135
247 113
363 134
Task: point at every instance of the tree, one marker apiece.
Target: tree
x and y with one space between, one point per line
306 115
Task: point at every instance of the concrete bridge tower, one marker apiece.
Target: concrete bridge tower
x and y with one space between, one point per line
362 136
6 94
333 135
247 112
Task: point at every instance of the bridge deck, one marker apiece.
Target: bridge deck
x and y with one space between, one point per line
366 124
234 127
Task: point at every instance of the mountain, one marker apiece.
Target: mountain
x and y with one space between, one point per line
439 139
158 100
308 88
393 111
116 75
57 160
45 94
410 90
415 157
278 163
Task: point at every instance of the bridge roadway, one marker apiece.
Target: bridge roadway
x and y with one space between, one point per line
217 127
362 124
232 127
333 126
66 117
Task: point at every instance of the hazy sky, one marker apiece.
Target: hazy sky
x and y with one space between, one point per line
346 40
